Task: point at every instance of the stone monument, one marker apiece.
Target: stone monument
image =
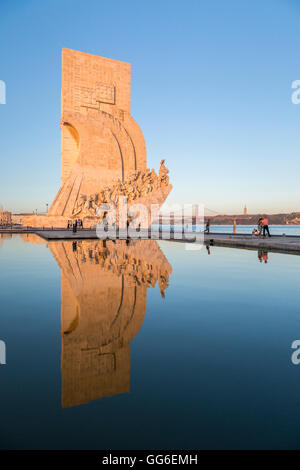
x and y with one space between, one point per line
103 151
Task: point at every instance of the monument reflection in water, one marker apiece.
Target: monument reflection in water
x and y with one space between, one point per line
103 303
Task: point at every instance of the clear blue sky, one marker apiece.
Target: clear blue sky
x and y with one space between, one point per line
211 90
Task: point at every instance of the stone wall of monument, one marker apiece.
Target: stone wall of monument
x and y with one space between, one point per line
103 148
92 85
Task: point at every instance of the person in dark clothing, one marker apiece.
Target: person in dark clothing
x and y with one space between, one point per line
75 226
207 226
265 223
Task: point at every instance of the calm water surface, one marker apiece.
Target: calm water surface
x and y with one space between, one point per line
147 345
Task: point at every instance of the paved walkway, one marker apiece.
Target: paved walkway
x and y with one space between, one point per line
275 243
279 243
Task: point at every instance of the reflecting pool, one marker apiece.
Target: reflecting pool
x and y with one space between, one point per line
145 344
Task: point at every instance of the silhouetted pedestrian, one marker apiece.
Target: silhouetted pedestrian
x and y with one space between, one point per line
265 223
207 226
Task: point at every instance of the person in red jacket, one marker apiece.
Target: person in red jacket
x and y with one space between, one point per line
265 223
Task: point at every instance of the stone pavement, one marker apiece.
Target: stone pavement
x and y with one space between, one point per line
279 243
275 243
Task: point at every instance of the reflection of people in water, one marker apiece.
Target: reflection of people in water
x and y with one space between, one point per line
262 256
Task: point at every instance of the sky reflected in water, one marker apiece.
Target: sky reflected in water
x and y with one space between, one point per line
147 345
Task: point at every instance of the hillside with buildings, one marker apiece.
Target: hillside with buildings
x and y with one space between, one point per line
251 219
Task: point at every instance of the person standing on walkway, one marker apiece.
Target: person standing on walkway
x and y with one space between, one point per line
265 223
207 226
75 226
260 226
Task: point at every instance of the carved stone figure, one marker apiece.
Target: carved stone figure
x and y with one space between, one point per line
137 184
89 208
163 173
79 205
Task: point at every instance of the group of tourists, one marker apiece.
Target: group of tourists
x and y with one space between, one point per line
261 230
262 227
74 224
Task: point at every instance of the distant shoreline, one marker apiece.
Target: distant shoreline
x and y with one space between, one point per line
245 225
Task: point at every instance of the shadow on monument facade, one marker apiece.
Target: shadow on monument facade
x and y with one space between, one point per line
103 304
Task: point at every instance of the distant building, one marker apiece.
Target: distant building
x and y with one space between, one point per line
17 219
245 210
5 217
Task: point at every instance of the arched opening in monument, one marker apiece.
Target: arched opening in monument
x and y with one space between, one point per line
73 132
70 147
